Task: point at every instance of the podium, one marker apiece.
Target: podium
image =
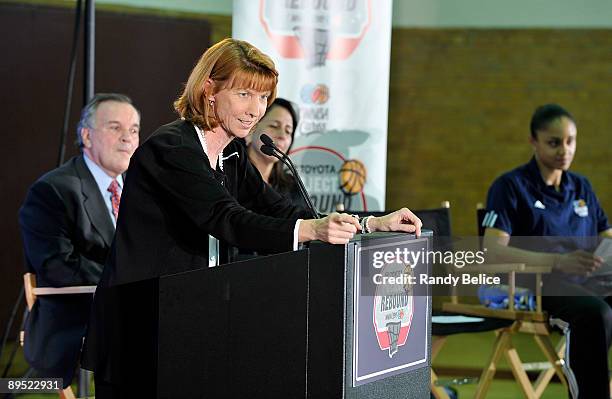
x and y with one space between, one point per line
294 325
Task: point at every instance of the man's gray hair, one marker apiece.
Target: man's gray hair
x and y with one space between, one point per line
89 111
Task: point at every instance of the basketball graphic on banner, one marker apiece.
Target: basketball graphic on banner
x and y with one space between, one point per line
324 52
352 177
320 168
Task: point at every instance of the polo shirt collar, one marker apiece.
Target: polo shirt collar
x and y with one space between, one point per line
567 180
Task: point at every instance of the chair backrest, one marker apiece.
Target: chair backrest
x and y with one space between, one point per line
29 283
436 219
481 212
28 266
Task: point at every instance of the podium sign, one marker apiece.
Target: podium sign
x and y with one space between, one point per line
390 315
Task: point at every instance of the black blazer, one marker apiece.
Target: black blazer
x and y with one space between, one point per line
67 232
170 203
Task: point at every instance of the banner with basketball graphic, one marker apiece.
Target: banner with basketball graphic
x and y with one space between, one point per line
333 59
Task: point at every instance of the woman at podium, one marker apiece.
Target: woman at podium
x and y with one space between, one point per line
188 185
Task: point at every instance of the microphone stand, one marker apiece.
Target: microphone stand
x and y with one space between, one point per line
269 148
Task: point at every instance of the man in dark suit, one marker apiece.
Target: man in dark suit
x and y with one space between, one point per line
67 222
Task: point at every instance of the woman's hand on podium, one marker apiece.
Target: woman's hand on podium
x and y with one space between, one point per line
400 220
335 228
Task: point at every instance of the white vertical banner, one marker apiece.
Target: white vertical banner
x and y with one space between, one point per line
333 60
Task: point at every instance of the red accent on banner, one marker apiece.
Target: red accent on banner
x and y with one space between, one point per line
289 46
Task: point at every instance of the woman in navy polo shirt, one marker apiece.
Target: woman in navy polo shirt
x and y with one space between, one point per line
542 198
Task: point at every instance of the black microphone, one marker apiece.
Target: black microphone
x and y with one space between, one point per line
270 149
266 149
268 141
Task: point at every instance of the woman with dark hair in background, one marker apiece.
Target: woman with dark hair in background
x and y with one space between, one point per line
279 123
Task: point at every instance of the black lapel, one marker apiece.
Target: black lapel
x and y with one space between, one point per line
94 203
190 135
190 138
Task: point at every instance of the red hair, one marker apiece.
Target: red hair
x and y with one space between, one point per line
230 63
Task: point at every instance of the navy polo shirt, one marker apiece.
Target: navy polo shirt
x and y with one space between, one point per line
522 204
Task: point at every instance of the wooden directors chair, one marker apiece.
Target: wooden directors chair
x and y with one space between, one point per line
32 292
535 323
438 220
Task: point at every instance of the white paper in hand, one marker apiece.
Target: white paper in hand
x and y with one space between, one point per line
605 251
